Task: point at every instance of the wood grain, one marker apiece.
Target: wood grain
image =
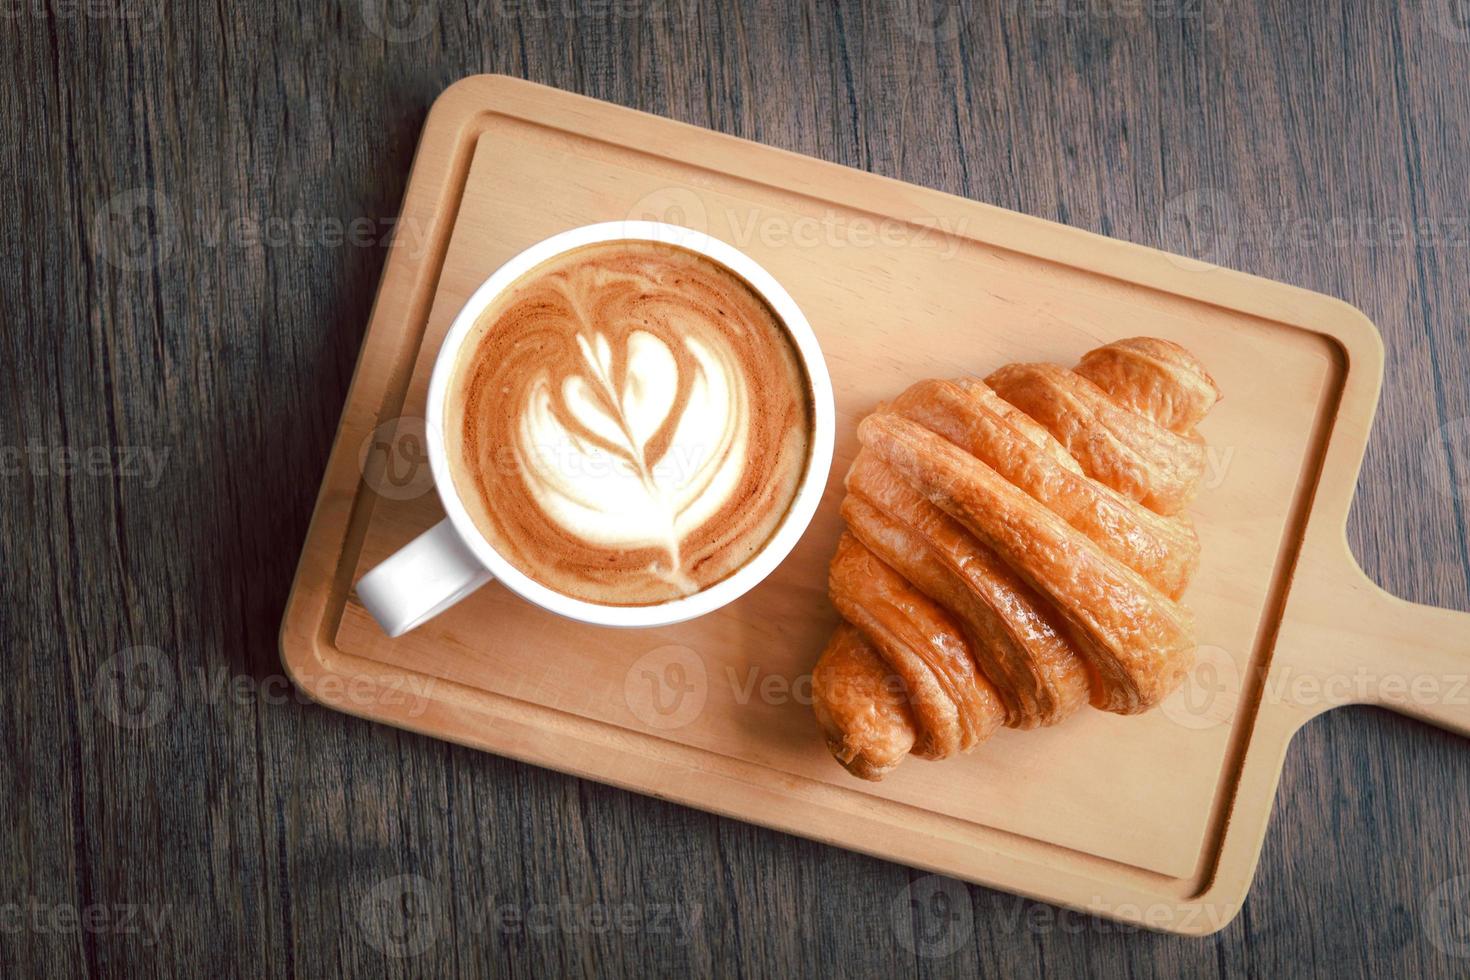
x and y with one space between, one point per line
262 826
1103 813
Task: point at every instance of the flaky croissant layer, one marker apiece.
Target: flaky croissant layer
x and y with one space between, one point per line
1015 549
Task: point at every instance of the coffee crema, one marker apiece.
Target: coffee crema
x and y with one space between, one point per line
628 423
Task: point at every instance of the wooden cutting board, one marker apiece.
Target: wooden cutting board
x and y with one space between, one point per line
1155 819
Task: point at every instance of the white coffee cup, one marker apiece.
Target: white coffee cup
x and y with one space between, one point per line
452 559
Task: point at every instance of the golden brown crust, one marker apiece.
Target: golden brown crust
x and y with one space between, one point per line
861 706
1163 550
983 395
1016 635
1138 639
1153 377
1119 448
955 708
1032 531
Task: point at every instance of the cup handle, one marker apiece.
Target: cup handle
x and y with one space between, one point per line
425 577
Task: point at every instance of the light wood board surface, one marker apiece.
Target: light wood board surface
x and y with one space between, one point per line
1162 813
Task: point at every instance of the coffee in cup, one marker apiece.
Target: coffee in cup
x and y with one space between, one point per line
628 423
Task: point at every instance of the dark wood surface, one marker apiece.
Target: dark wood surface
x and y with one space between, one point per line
168 804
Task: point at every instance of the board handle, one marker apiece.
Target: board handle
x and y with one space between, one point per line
1363 645
1424 665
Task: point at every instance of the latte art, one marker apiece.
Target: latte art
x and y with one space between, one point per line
629 423
613 474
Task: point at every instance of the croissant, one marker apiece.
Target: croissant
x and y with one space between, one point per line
1015 550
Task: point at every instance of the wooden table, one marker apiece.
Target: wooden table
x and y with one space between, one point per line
197 199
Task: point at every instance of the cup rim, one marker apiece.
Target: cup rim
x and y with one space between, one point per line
809 492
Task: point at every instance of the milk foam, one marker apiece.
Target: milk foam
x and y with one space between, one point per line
629 424
611 492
